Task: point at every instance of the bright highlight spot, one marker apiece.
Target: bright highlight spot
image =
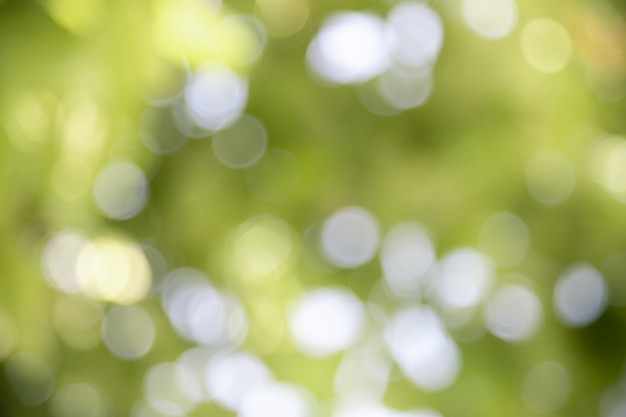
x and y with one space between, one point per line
580 296
546 45
350 237
110 269
608 166
350 47
421 412
232 376
59 260
276 400
462 279
513 313
417 33
120 190
550 176
241 144
370 408
128 332
363 408
423 350
215 97
199 312
326 320
491 19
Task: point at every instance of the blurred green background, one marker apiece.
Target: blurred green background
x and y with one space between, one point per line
290 208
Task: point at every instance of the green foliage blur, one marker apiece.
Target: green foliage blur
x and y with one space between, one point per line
77 75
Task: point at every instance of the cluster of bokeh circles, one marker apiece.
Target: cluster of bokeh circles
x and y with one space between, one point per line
400 51
417 316
414 320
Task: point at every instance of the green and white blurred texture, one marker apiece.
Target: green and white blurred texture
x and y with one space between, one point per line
298 208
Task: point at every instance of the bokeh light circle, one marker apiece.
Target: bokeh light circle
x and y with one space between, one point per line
406 256
350 47
350 237
461 279
276 400
120 190
326 320
31 376
421 347
232 376
550 176
128 332
417 33
241 144
546 387
490 19
112 269
80 400
513 312
580 295
505 238
215 97
546 45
